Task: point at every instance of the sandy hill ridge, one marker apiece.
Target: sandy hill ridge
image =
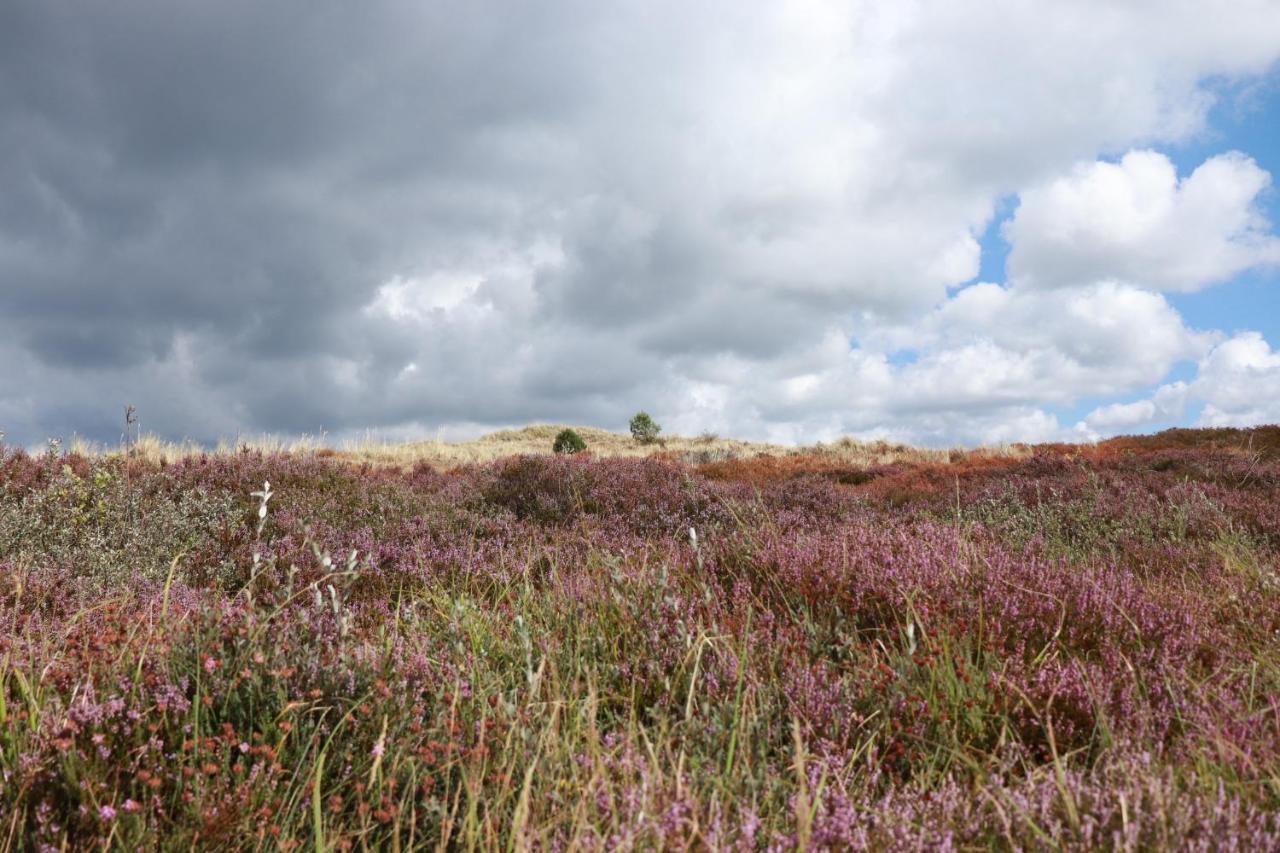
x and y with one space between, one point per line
536 439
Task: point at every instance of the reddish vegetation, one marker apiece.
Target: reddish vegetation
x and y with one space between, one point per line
1079 647
1263 441
764 470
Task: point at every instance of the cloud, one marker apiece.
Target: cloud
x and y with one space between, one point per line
1167 404
1136 221
1103 338
409 216
1237 383
981 367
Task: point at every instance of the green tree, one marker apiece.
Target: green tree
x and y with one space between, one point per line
644 429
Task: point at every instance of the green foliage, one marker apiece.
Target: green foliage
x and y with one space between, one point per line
111 527
568 441
644 429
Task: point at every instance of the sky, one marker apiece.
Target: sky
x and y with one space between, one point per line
933 221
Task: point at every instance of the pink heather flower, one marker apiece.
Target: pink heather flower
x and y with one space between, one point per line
130 805
244 747
107 813
378 749
210 664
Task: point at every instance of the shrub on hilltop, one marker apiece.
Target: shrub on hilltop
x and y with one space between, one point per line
644 429
568 441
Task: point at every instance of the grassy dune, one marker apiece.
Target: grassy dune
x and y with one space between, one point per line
536 440
707 645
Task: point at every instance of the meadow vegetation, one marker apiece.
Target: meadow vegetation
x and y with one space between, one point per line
1051 647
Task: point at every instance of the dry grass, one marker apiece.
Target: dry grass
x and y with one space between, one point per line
537 440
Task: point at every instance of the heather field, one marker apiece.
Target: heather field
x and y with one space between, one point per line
1057 648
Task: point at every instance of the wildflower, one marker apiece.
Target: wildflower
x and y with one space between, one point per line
130 806
107 813
210 664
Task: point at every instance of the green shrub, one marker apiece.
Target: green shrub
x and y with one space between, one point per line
568 441
644 429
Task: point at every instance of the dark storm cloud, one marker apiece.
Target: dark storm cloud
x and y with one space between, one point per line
244 177
250 172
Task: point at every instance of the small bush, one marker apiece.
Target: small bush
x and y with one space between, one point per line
568 441
644 429
539 489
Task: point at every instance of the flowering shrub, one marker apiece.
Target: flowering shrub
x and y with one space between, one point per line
1076 649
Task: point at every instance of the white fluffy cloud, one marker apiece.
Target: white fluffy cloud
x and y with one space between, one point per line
1167 404
1135 220
1237 383
976 369
1103 338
